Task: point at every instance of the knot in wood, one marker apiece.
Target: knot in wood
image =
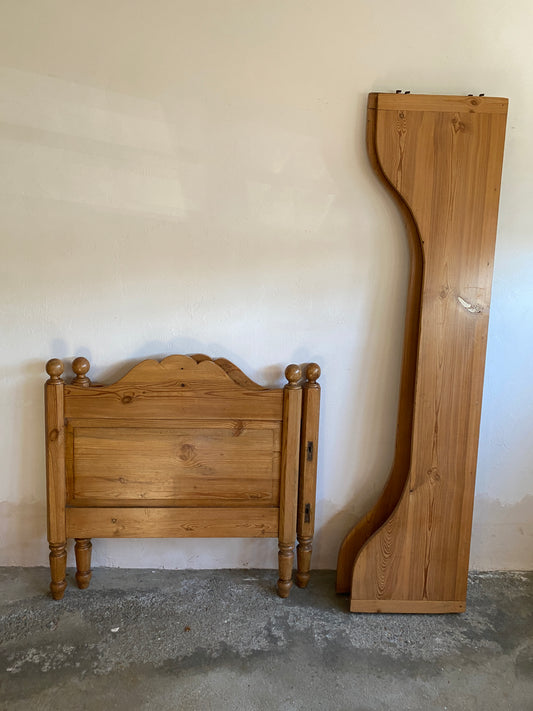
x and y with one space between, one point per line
187 452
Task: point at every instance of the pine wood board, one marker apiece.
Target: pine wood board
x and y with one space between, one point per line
175 463
153 522
158 401
443 158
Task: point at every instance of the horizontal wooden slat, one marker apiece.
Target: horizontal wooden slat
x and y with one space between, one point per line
161 402
212 491
427 102
422 607
172 523
236 425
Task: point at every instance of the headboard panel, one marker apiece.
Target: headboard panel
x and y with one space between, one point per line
183 447
179 462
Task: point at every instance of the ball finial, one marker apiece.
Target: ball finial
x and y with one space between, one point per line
293 374
312 372
81 366
54 368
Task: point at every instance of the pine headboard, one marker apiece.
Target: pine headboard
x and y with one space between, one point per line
183 447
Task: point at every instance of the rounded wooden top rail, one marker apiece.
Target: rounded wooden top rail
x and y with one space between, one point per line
81 367
428 102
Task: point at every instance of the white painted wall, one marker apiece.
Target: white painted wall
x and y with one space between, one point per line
178 177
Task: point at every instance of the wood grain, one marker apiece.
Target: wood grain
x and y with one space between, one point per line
55 476
292 413
82 550
185 447
406 607
183 399
193 370
446 104
169 522
199 463
444 160
308 468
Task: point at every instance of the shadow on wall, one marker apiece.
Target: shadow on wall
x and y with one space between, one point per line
23 533
29 410
502 532
268 376
335 525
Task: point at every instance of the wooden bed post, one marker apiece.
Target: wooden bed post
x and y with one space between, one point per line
55 476
307 482
441 157
83 546
292 408
82 549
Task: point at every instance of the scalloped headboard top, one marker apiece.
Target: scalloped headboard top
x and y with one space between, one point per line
178 386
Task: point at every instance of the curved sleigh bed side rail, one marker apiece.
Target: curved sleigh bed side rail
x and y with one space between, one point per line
442 157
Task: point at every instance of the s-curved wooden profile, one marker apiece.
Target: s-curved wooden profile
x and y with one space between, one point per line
441 159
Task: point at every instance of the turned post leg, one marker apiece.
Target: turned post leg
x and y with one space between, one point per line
286 564
290 447
55 476
82 550
58 569
307 476
305 547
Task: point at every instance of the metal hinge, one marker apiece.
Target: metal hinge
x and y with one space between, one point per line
309 451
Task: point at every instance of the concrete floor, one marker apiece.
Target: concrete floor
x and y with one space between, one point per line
222 640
